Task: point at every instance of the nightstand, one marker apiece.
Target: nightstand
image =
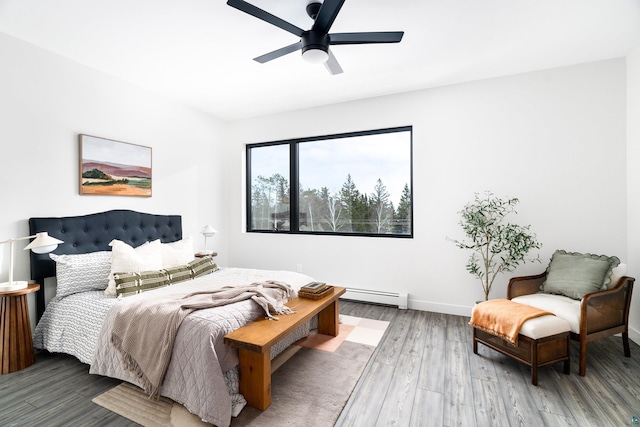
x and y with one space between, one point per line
204 254
16 343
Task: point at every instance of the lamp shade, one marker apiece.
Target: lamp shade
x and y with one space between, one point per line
43 243
208 231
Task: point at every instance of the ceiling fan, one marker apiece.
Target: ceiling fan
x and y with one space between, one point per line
314 43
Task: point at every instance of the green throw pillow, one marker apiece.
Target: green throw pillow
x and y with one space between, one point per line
179 273
202 266
574 275
134 283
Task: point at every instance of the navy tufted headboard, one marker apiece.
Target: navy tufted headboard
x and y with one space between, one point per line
93 232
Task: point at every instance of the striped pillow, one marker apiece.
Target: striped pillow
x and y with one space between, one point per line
179 273
134 283
202 266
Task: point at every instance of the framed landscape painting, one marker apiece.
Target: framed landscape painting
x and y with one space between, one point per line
114 168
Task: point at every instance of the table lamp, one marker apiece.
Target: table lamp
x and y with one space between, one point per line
208 231
42 244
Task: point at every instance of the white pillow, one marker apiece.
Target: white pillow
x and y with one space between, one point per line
616 275
177 253
81 272
126 259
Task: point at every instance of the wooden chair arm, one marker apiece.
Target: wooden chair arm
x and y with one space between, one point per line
525 285
606 309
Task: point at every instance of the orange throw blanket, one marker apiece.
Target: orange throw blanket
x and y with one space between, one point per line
503 318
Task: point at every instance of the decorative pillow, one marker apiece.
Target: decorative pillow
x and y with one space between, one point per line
616 274
177 253
179 273
134 283
202 266
125 258
574 275
82 272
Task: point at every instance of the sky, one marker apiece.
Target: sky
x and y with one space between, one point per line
326 163
106 150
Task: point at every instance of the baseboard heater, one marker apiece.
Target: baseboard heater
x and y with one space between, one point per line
398 299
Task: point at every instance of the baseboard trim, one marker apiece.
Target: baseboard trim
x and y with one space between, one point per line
634 335
458 310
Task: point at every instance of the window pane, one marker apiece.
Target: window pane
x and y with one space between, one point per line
356 184
269 175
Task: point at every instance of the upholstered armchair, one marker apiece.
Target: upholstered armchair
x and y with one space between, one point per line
596 315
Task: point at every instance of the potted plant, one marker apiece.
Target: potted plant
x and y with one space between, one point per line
497 246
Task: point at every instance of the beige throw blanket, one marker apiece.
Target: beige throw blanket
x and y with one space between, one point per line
503 318
144 332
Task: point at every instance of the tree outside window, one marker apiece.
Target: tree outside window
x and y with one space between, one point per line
347 184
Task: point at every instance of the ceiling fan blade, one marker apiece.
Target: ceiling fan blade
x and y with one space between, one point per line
265 16
332 64
327 15
278 53
363 38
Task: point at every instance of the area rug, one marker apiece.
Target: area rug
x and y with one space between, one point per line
311 382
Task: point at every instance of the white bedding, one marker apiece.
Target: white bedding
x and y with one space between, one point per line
201 374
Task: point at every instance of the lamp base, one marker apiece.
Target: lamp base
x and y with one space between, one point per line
13 286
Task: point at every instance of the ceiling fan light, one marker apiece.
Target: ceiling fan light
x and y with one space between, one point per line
315 56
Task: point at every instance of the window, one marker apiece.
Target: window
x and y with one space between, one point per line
348 184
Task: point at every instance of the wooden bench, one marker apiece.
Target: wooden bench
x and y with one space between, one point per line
254 342
542 341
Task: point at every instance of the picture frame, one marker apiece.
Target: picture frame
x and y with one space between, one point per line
114 168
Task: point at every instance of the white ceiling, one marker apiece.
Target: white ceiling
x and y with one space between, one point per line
199 52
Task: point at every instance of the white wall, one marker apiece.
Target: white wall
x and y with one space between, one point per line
633 185
47 100
555 139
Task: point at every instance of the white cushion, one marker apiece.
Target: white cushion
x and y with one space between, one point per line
616 274
544 326
563 307
81 272
177 253
126 259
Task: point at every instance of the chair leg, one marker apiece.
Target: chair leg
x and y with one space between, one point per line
583 357
475 341
567 363
625 344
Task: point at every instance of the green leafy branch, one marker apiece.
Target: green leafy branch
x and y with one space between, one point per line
497 246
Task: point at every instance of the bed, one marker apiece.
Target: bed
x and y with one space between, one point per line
202 373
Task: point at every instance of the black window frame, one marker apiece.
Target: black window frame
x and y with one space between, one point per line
294 183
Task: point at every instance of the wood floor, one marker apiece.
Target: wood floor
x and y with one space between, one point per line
423 373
